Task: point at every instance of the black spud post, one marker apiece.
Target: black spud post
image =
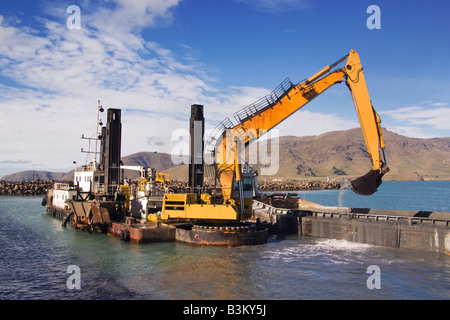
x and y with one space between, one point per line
112 149
196 131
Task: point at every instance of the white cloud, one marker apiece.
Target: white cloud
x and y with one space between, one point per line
67 71
439 104
61 73
307 123
435 115
410 131
142 13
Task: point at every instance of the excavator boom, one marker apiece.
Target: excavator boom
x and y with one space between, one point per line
285 100
370 125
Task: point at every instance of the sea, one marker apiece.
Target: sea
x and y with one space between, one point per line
41 260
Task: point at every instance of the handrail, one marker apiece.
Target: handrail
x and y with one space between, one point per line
353 215
214 138
265 102
378 217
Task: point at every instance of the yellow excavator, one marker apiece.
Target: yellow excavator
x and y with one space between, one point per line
262 116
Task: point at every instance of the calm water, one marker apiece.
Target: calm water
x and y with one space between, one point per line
395 195
36 252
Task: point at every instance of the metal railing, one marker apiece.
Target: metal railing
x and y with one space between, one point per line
380 217
265 102
352 215
245 113
63 186
213 140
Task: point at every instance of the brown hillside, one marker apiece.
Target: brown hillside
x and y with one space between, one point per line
160 161
343 153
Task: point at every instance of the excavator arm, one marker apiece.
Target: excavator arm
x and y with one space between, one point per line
370 125
285 100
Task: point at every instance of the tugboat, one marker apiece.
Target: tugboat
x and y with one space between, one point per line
97 198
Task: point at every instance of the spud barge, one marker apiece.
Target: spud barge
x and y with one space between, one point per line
143 231
100 199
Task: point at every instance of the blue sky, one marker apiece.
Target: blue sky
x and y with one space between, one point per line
154 58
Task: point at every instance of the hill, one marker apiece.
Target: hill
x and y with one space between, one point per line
343 153
31 175
160 161
333 155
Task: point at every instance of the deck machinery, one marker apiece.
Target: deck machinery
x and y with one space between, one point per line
222 215
216 218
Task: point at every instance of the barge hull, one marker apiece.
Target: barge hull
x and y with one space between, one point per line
57 213
143 233
150 232
204 236
417 230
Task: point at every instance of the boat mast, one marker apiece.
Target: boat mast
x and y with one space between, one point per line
98 136
98 133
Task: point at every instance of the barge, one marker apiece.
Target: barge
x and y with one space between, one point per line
409 229
209 218
99 199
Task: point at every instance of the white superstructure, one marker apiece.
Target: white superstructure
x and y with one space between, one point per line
88 178
61 193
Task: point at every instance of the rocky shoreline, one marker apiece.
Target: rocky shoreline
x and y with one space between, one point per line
25 188
297 185
40 187
266 186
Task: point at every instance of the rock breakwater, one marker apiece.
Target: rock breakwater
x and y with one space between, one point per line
297 185
40 187
24 188
268 186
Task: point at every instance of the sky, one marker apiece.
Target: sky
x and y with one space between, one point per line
153 59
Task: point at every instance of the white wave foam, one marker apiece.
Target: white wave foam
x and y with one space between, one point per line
321 250
342 245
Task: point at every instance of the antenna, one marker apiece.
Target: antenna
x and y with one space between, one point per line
96 137
99 124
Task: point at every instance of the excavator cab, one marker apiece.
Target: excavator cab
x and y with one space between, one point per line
249 190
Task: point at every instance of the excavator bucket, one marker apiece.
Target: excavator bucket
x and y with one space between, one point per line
367 184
